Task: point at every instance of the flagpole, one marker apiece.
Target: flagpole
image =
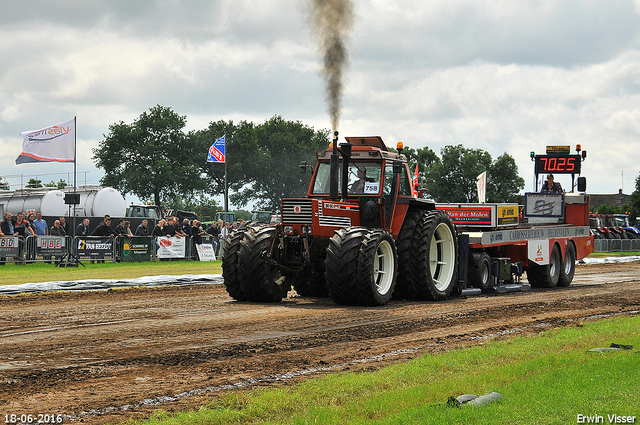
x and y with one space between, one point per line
75 167
226 187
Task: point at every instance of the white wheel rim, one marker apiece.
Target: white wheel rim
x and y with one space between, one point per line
553 265
442 256
383 268
569 262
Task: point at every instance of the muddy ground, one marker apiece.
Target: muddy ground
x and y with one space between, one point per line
109 356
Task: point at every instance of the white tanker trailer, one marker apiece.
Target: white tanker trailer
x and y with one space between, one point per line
95 201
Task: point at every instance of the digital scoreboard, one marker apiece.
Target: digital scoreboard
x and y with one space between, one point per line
558 164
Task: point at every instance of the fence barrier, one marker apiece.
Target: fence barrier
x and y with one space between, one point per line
616 245
49 249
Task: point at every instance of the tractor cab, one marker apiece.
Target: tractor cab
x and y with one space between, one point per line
366 177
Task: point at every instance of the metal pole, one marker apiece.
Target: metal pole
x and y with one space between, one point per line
75 163
226 187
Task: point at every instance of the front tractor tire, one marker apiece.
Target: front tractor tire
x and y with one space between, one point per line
260 279
361 266
434 257
230 266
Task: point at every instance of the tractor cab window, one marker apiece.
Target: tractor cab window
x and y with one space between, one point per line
404 188
363 178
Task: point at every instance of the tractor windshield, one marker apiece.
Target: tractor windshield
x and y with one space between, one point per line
364 178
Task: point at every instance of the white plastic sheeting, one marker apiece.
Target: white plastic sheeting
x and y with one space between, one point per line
97 284
611 260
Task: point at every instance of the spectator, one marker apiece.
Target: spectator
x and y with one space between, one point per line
57 229
22 226
65 225
169 228
42 228
32 245
120 230
6 229
197 232
159 229
243 224
104 228
31 218
214 231
234 227
83 228
142 229
224 234
186 227
127 229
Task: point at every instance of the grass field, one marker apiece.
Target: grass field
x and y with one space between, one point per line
546 379
16 274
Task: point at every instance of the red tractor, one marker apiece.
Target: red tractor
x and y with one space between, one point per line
359 236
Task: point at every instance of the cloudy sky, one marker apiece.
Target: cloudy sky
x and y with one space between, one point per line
498 75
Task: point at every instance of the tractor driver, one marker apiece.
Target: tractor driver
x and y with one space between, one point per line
550 185
358 185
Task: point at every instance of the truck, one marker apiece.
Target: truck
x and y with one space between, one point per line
361 237
92 201
612 226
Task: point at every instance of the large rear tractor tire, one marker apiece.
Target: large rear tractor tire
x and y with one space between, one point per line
548 275
260 280
434 257
568 268
403 245
230 266
361 266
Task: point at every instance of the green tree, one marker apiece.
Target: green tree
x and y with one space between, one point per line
4 185
503 182
453 178
61 184
634 200
151 158
263 161
34 183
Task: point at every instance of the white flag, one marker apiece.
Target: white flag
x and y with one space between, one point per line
481 185
54 143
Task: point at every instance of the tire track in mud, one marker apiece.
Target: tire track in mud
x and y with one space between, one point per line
121 348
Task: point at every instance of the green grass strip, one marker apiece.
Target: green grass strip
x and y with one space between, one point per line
16 274
546 379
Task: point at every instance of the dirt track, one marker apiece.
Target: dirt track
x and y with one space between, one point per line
89 355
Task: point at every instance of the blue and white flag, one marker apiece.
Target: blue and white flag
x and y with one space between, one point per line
216 151
54 143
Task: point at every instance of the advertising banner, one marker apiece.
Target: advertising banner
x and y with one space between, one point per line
95 247
205 252
136 248
9 246
51 245
544 204
171 247
470 214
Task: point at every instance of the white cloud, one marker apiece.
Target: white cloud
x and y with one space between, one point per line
497 75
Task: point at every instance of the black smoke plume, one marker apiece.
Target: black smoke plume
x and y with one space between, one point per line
332 20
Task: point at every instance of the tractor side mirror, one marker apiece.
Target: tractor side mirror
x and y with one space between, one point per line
397 167
582 184
303 166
